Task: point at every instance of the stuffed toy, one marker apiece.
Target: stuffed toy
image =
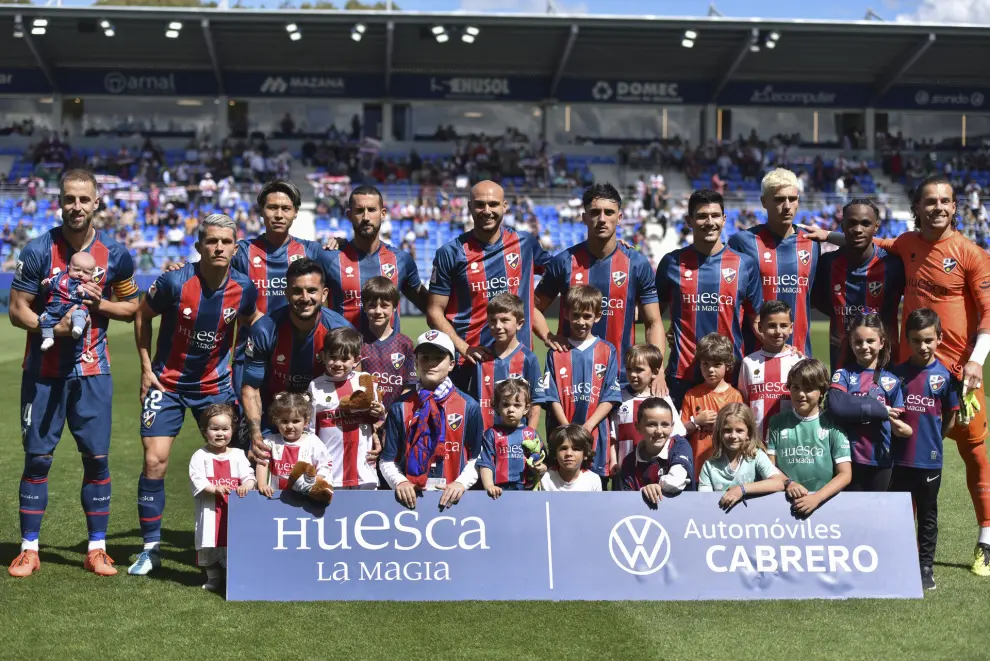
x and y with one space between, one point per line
360 400
534 452
303 479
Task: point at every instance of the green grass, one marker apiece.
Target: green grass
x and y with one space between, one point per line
65 612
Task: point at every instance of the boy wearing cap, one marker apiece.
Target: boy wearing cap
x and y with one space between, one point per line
433 433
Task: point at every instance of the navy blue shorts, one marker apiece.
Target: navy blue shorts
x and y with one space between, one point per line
82 401
163 412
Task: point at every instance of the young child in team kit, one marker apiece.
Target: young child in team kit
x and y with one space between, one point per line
806 445
581 386
511 452
739 467
703 402
866 400
292 413
64 291
643 365
931 398
571 455
661 464
511 360
215 470
346 407
763 374
387 354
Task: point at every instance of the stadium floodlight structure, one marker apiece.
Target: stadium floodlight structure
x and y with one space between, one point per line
173 29
687 41
294 33
440 34
38 26
470 34
108 28
357 32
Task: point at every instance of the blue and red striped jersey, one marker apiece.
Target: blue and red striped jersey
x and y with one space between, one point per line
625 279
463 433
266 267
931 393
64 291
634 474
787 273
870 442
842 290
348 270
706 294
392 362
579 380
520 364
47 256
197 328
470 273
278 359
503 454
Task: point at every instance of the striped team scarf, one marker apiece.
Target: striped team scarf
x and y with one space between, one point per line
425 442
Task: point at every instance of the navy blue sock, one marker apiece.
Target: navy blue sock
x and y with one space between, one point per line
34 494
96 496
151 506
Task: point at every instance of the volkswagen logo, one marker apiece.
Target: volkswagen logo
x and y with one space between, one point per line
639 545
115 82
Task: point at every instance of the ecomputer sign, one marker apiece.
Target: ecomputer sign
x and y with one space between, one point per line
800 95
365 546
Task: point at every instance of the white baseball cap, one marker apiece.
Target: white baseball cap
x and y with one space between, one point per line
437 339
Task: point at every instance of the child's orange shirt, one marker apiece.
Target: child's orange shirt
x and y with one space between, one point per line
704 398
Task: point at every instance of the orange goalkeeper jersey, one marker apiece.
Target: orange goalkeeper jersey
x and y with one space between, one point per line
952 277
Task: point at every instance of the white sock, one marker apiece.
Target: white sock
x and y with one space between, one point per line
151 546
985 535
98 544
29 545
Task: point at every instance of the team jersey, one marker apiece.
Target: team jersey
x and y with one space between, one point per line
205 468
787 273
930 395
285 454
870 441
278 359
470 273
665 468
502 453
266 267
842 290
952 277
719 475
579 380
763 384
807 450
197 328
703 397
47 256
63 291
705 294
622 422
625 279
520 364
348 270
348 435
462 436
392 362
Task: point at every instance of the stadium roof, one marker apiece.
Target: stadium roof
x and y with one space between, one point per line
873 54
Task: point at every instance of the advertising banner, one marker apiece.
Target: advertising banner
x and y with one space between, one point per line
564 546
137 82
929 97
469 88
303 85
807 95
23 81
658 92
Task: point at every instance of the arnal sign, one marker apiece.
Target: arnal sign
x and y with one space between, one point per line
119 83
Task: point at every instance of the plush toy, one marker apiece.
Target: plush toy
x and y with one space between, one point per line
360 400
303 479
534 452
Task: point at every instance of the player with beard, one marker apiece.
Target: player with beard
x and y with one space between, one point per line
282 349
787 259
477 266
71 381
366 256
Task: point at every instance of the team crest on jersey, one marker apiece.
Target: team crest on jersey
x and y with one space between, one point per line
822 434
804 256
229 314
98 273
148 418
454 421
293 258
431 335
599 370
875 288
619 278
729 275
888 382
388 270
936 381
948 264
249 348
512 259
397 359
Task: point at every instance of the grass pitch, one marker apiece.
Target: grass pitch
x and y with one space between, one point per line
66 613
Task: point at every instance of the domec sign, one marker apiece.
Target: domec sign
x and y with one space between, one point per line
631 91
365 546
